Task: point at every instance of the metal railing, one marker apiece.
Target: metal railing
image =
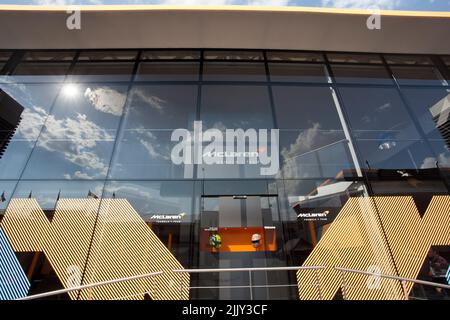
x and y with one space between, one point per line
250 286
89 286
402 280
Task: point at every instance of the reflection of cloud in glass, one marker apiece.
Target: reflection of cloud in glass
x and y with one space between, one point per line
151 100
78 175
385 106
75 138
430 162
300 157
106 100
31 124
304 142
150 142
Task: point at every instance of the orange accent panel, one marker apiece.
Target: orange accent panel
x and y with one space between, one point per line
240 240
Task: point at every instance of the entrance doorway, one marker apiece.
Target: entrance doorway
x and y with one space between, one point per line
241 231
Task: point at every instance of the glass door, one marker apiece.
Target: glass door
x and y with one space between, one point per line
239 232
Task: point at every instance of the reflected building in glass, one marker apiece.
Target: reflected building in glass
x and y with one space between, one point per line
90 191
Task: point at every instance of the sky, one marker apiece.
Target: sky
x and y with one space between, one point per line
420 5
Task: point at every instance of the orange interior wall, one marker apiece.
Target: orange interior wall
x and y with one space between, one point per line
240 240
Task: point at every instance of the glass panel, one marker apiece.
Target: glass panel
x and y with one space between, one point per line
239 163
233 71
378 114
309 209
387 137
235 187
78 137
49 56
396 154
107 55
170 55
361 74
294 56
48 192
169 208
297 72
168 71
441 149
408 59
21 124
313 153
305 108
146 154
102 71
233 55
40 72
161 107
418 76
432 109
354 58
235 107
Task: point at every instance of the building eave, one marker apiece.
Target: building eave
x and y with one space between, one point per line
291 28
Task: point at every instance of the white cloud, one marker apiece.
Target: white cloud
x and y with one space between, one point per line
106 100
298 156
195 2
129 189
150 143
151 100
75 139
31 123
362 4
430 162
64 2
268 2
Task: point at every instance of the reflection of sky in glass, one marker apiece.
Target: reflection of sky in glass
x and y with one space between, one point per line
36 99
77 139
81 122
46 192
6 190
148 198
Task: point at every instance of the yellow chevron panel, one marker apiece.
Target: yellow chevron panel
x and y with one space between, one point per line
67 243
353 240
410 236
124 246
25 225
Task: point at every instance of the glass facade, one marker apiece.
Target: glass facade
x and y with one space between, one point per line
93 126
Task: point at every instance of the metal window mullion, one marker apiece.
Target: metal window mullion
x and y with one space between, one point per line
345 123
408 108
105 180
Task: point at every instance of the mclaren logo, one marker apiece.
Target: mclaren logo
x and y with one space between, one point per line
312 216
167 218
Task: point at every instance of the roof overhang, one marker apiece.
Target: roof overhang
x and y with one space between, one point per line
298 28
